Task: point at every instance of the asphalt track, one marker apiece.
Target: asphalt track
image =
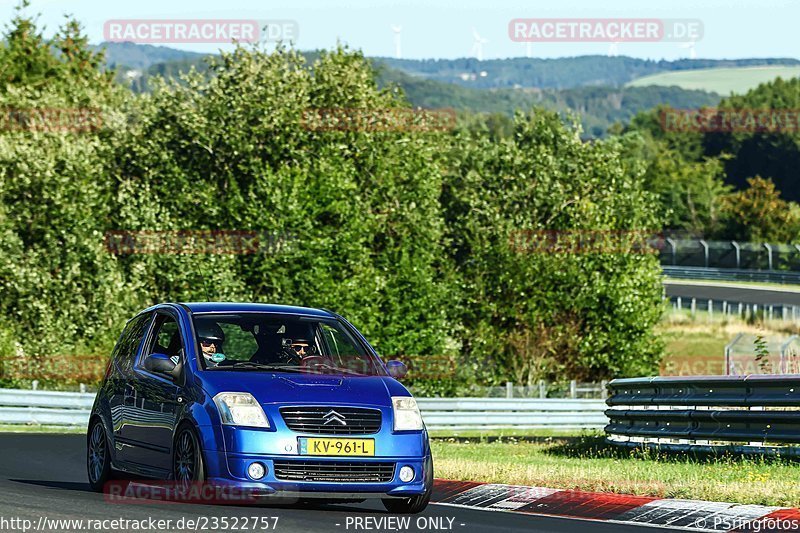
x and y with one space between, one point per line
705 291
44 476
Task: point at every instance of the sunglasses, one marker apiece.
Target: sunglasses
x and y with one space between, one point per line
207 343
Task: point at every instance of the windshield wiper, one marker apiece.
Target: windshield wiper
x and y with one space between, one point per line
338 369
259 366
285 367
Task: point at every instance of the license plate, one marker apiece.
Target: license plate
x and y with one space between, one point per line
359 447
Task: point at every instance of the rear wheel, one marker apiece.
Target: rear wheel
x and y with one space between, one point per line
188 466
415 504
98 457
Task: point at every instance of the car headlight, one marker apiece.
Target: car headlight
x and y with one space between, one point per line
240 409
406 414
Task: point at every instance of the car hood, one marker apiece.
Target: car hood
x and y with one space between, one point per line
269 387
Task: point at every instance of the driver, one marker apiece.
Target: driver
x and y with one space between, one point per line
297 349
210 337
301 347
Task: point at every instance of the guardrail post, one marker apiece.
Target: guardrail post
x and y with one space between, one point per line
738 254
710 310
542 389
83 387
740 309
604 389
694 306
573 389
724 308
769 255
680 303
35 384
704 244
509 389
674 248
728 365
770 312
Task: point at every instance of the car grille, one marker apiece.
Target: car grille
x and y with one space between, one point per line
328 420
338 472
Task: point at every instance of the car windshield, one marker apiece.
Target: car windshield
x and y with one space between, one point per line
247 342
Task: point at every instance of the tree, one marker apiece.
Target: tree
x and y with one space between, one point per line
759 214
583 315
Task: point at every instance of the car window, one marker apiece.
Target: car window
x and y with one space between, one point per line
295 342
339 345
166 337
343 349
240 345
130 340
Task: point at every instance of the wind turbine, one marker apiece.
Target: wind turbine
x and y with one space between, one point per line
477 44
397 47
692 51
613 49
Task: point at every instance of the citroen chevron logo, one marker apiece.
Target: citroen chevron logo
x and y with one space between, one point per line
332 416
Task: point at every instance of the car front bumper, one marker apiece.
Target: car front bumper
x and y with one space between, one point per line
243 446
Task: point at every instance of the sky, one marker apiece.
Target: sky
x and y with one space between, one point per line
446 28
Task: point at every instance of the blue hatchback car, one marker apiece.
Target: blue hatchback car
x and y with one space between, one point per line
279 400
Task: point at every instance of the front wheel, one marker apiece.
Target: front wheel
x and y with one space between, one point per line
415 504
188 464
98 457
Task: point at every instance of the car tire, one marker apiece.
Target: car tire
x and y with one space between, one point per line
98 456
414 504
187 457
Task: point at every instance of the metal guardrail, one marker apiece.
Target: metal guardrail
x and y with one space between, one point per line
45 407
711 413
730 274
72 409
493 413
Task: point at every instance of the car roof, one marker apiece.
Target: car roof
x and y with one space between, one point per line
241 307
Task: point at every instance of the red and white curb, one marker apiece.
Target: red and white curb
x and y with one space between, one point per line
693 515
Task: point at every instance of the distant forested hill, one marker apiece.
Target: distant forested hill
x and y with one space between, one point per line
560 73
598 107
141 56
589 86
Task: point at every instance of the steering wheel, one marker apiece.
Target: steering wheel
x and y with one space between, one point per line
314 359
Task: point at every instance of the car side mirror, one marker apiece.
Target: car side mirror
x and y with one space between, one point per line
397 369
160 363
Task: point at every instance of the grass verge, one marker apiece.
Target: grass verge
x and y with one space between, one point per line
588 463
35 428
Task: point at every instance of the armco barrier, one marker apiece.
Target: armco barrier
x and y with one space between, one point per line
491 413
730 274
68 408
44 407
742 413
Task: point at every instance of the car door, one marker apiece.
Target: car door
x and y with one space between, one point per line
156 403
121 382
